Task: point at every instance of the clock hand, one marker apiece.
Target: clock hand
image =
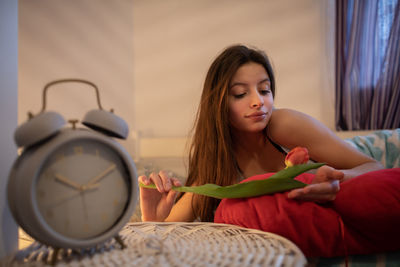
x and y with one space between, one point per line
67 181
86 187
70 196
101 175
73 184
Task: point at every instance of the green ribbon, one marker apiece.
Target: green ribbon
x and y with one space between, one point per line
279 182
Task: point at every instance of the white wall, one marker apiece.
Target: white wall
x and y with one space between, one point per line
176 41
150 57
8 116
91 39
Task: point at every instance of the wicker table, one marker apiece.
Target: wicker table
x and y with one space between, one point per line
175 244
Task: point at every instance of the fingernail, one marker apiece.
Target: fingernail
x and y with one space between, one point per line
336 184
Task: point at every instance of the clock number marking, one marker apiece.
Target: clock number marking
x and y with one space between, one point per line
97 153
78 150
104 217
60 157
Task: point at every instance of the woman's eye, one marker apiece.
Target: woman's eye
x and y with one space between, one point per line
265 91
238 96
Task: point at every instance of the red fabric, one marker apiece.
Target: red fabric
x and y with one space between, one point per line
364 218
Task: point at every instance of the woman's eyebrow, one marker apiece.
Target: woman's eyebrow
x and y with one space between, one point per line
237 83
265 80
244 84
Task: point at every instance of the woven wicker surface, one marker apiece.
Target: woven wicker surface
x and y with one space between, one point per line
175 244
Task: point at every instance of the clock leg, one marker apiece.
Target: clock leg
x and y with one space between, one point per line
120 241
54 256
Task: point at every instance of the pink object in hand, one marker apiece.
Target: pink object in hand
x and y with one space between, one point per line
296 156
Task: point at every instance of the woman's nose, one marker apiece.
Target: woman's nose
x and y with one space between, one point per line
257 100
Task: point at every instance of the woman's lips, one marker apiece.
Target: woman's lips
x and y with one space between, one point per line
259 115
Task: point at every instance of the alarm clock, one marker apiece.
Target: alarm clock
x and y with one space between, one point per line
72 187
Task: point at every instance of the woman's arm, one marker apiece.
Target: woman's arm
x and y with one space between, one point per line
290 129
182 211
363 168
158 204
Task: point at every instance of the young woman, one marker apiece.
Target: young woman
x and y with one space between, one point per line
238 133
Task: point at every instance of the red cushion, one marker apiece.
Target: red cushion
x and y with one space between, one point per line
364 218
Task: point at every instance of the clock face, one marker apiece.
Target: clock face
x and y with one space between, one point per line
83 189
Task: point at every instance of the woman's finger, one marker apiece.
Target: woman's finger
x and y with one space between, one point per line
157 181
176 181
143 179
166 180
322 188
337 175
327 173
321 191
171 197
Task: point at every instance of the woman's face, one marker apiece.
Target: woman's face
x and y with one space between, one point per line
250 98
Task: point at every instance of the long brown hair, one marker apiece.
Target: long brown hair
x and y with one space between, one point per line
211 157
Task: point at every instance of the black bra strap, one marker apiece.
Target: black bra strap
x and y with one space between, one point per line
276 146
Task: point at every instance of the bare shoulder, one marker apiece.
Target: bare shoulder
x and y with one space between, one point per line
288 126
288 115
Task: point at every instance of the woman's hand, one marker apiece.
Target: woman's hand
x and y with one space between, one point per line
157 204
323 188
